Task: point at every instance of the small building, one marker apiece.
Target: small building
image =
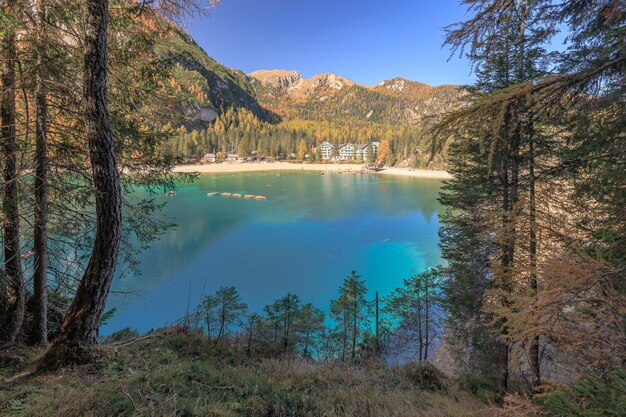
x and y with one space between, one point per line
361 150
209 158
232 157
346 151
326 150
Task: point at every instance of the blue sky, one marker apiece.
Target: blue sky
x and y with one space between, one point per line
367 41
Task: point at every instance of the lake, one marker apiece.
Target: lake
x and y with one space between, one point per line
310 233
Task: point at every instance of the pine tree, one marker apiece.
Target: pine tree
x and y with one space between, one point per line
414 308
10 203
309 326
510 55
351 309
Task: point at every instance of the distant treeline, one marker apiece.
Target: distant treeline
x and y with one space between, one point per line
239 131
404 322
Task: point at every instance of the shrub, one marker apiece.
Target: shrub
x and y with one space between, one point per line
122 335
590 396
426 376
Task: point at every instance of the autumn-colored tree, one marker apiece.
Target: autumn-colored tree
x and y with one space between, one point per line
383 152
302 149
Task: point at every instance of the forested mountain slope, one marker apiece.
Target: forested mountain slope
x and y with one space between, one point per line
202 88
332 97
213 88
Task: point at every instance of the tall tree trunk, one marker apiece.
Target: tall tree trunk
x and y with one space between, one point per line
426 319
529 136
286 329
420 326
535 364
306 346
249 348
276 324
40 329
507 254
354 324
377 347
10 208
208 325
79 331
345 334
220 333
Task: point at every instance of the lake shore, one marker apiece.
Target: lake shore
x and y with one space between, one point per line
286 166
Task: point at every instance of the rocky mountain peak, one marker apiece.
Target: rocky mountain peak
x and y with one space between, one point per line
332 81
399 84
277 78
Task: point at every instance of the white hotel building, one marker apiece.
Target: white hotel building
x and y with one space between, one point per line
347 151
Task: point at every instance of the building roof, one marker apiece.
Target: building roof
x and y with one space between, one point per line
359 146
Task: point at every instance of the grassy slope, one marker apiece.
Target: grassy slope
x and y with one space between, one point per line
184 375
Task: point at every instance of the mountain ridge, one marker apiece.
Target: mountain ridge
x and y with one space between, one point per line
210 88
329 96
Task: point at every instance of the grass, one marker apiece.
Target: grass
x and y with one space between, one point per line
176 374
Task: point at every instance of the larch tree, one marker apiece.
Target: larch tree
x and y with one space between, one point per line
10 205
505 41
301 149
351 310
309 325
40 249
79 331
383 151
414 307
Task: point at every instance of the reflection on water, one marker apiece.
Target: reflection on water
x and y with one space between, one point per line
313 230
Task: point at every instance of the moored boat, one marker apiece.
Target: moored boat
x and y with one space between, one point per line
249 196
260 197
226 194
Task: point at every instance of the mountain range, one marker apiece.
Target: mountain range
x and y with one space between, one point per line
275 95
330 96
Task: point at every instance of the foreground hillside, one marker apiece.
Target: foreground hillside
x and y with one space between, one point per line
175 374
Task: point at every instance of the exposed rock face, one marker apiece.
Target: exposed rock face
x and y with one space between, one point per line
331 81
397 84
277 78
292 83
206 114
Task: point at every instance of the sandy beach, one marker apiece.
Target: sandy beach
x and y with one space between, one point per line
286 166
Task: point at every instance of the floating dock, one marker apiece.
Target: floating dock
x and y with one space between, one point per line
237 195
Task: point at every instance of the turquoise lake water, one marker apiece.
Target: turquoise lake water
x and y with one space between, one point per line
310 233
